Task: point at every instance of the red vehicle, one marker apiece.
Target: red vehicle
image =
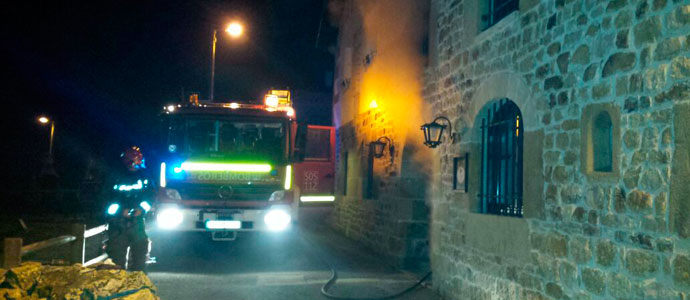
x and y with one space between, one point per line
228 167
315 175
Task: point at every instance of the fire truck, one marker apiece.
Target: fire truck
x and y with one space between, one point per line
231 167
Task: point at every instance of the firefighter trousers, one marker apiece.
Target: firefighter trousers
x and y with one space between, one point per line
118 247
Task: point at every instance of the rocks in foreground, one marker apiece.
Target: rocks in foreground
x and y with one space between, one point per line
32 280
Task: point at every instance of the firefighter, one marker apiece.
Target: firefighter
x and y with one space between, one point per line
131 199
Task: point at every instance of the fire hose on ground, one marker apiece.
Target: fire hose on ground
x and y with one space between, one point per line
334 278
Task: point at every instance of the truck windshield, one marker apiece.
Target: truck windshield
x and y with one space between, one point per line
226 138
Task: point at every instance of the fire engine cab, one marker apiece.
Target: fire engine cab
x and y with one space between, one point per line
229 167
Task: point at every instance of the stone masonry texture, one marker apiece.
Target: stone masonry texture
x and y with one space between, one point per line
589 235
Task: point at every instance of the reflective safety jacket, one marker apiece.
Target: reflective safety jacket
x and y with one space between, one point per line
130 200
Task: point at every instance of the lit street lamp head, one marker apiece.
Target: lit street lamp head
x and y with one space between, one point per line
235 29
43 120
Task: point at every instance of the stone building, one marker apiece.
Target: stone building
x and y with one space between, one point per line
573 118
380 201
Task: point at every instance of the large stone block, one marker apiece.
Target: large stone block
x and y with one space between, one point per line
571 194
581 55
594 280
580 250
568 274
678 92
680 172
647 31
616 5
601 90
623 19
631 139
562 141
640 262
680 17
561 175
530 295
590 72
668 48
680 67
619 286
681 270
623 61
651 180
606 253
553 83
650 138
622 39
639 201
556 245
554 290
554 49
563 60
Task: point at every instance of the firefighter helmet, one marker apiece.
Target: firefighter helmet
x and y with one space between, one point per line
133 158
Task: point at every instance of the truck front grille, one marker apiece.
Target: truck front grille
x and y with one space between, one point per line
226 192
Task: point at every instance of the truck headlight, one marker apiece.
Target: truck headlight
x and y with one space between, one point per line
113 208
277 219
169 218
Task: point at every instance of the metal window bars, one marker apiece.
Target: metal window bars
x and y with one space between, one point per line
501 164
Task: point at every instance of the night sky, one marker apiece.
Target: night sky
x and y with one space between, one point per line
103 70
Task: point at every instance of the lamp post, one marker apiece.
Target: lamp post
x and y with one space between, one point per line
44 120
235 30
49 170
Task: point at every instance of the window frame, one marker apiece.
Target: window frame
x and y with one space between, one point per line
602 158
489 15
502 169
589 115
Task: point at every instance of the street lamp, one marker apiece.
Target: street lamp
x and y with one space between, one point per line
48 168
45 120
380 145
433 132
235 30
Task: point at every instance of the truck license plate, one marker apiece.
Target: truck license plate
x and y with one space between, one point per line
223 224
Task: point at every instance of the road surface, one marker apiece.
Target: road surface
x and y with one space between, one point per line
274 266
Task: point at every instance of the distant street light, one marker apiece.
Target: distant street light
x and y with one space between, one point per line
44 120
48 167
235 30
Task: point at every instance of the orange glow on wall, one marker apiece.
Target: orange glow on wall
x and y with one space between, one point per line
391 81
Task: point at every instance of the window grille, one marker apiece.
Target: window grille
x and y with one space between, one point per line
497 10
501 165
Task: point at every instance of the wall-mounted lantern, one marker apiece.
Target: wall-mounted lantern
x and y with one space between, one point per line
433 132
380 145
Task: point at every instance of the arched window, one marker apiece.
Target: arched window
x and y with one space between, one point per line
602 142
501 177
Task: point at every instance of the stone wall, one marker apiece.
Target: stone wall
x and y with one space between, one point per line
585 235
380 208
380 202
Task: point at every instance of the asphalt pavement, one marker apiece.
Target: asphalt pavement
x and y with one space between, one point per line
285 266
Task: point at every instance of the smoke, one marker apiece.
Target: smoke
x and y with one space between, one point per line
395 33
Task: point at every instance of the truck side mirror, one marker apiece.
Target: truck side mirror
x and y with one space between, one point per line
301 141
